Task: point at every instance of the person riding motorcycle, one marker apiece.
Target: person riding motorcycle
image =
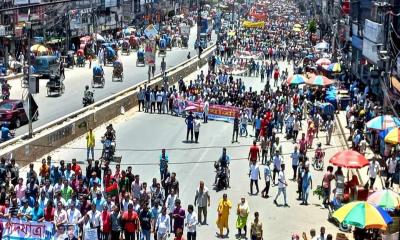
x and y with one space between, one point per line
110 133
5 90
5 133
221 164
87 96
108 141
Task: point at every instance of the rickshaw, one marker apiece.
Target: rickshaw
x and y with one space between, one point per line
140 58
81 58
162 47
118 71
126 47
98 77
134 42
55 85
111 55
70 60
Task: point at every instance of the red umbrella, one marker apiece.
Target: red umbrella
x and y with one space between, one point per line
349 159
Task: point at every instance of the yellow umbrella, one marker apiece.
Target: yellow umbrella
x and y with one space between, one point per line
393 137
38 48
297 25
296 30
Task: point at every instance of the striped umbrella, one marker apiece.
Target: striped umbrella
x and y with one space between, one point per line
363 215
393 137
386 199
383 122
323 61
296 79
320 81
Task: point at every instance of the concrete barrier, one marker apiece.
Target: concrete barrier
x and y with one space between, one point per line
61 131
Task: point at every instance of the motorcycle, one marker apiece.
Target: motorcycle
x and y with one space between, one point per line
223 176
318 160
108 149
88 99
332 207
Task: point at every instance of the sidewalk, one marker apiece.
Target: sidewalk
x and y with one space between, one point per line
362 173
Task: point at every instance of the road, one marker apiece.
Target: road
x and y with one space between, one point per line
141 136
52 108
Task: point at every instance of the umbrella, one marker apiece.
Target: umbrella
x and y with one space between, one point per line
297 25
383 133
38 48
363 215
323 61
334 67
386 199
383 122
296 29
320 81
393 137
349 159
296 79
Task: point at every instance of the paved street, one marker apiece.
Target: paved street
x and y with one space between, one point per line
52 108
141 136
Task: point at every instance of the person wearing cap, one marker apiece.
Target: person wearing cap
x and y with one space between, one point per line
130 223
105 222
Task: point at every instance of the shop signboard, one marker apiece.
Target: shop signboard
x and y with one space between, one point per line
373 31
20 2
370 51
110 3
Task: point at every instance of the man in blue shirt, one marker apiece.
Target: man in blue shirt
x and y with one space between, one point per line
163 162
37 213
257 126
5 133
189 123
306 185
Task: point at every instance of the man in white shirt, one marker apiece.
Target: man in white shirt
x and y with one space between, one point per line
254 175
391 169
94 216
295 161
73 214
196 128
373 171
282 184
163 225
267 177
191 222
206 109
277 165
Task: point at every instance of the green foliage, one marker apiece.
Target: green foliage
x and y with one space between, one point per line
312 26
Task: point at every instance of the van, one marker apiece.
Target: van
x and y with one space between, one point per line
46 66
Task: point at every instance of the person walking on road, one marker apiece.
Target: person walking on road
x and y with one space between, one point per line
189 124
277 159
267 178
282 184
191 223
242 211
256 230
163 225
224 206
254 175
90 143
295 156
202 199
330 128
373 171
254 153
326 185
306 185
206 108
178 215
196 128
141 98
236 122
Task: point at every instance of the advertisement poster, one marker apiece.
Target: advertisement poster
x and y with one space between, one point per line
150 53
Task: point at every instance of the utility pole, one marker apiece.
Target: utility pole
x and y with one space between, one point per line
198 31
28 26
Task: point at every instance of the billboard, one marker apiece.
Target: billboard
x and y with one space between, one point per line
20 2
110 3
150 53
370 51
373 31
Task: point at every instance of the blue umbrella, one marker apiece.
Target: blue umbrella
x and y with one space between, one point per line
383 122
384 132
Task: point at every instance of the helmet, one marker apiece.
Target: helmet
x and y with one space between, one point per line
319 144
86 87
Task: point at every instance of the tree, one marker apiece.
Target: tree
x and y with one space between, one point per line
312 26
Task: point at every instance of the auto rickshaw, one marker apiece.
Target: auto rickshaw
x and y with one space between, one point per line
118 71
81 58
126 47
98 77
111 55
140 58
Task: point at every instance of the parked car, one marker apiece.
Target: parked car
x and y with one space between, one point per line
13 112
